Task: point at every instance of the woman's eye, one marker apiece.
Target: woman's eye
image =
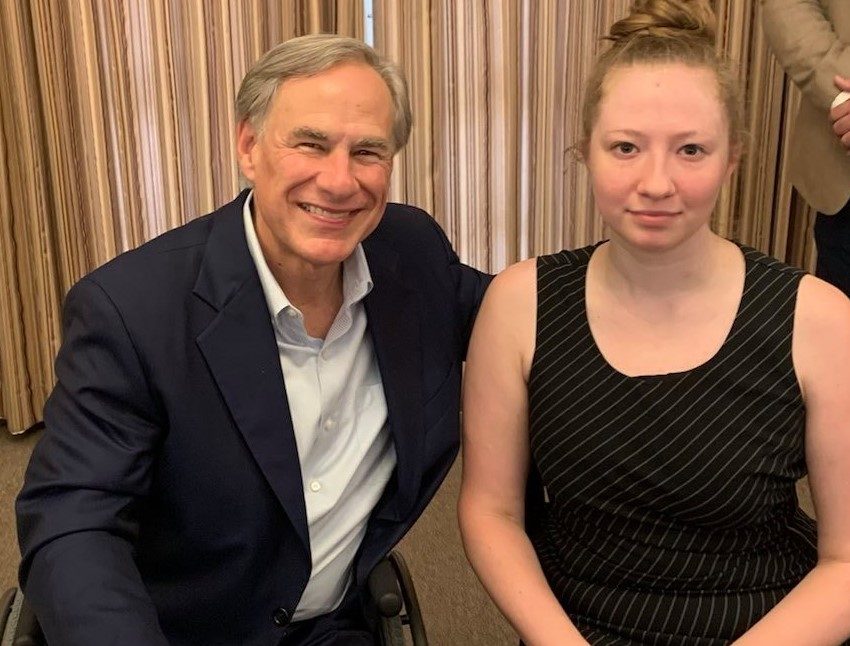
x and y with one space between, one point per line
625 148
692 150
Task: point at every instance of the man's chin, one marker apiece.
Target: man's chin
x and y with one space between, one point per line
330 255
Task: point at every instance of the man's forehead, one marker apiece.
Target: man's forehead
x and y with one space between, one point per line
355 87
350 102
357 77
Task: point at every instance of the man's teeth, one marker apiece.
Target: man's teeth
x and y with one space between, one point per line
310 208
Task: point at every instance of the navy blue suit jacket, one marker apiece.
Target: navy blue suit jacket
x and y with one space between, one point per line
164 502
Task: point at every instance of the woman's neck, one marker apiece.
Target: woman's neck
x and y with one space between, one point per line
692 266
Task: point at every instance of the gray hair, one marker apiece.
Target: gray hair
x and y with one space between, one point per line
309 55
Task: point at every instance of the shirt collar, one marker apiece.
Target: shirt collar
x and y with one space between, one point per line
356 278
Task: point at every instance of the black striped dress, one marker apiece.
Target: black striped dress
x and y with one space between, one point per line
672 515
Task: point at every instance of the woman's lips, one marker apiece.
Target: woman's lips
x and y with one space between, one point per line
654 214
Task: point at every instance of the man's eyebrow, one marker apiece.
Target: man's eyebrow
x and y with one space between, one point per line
309 133
376 143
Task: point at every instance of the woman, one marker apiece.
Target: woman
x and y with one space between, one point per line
668 385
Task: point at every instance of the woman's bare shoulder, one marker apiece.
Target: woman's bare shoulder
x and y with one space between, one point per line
517 281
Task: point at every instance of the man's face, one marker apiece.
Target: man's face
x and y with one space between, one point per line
320 164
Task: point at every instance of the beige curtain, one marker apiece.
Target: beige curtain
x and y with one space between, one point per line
497 87
117 121
117 125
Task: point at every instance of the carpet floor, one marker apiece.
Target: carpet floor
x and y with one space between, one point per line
14 454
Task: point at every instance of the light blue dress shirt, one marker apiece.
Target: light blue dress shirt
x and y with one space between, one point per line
339 413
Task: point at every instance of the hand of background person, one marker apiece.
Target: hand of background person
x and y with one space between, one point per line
840 114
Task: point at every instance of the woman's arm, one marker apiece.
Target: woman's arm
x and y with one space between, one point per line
817 611
495 461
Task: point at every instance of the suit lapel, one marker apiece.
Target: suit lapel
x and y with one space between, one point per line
392 310
240 349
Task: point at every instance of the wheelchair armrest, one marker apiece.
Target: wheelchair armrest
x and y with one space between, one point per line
411 601
384 589
6 610
29 631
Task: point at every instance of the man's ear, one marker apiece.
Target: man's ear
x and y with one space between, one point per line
246 141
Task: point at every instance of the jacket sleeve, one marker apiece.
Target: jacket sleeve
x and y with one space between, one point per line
77 511
803 39
469 286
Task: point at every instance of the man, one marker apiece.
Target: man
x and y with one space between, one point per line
810 38
252 409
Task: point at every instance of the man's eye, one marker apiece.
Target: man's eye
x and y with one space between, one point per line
310 145
366 153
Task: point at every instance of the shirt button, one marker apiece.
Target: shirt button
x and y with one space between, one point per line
326 354
315 486
281 617
330 422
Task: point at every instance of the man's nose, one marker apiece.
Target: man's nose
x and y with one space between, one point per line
655 180
335 176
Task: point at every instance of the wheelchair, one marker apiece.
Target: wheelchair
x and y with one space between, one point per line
390 587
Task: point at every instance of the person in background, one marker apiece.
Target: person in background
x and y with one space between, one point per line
252 409
667 386
810 38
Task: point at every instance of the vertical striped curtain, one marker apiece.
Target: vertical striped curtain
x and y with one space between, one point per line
497 88
117 124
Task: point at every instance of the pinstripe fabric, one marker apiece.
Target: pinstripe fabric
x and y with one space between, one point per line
673 517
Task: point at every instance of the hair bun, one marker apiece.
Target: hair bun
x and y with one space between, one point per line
666 18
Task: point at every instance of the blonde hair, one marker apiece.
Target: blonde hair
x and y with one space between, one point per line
665 31
309 55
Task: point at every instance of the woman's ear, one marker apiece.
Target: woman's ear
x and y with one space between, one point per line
736 151
576 152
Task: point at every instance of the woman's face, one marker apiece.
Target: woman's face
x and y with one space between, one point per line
659 153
